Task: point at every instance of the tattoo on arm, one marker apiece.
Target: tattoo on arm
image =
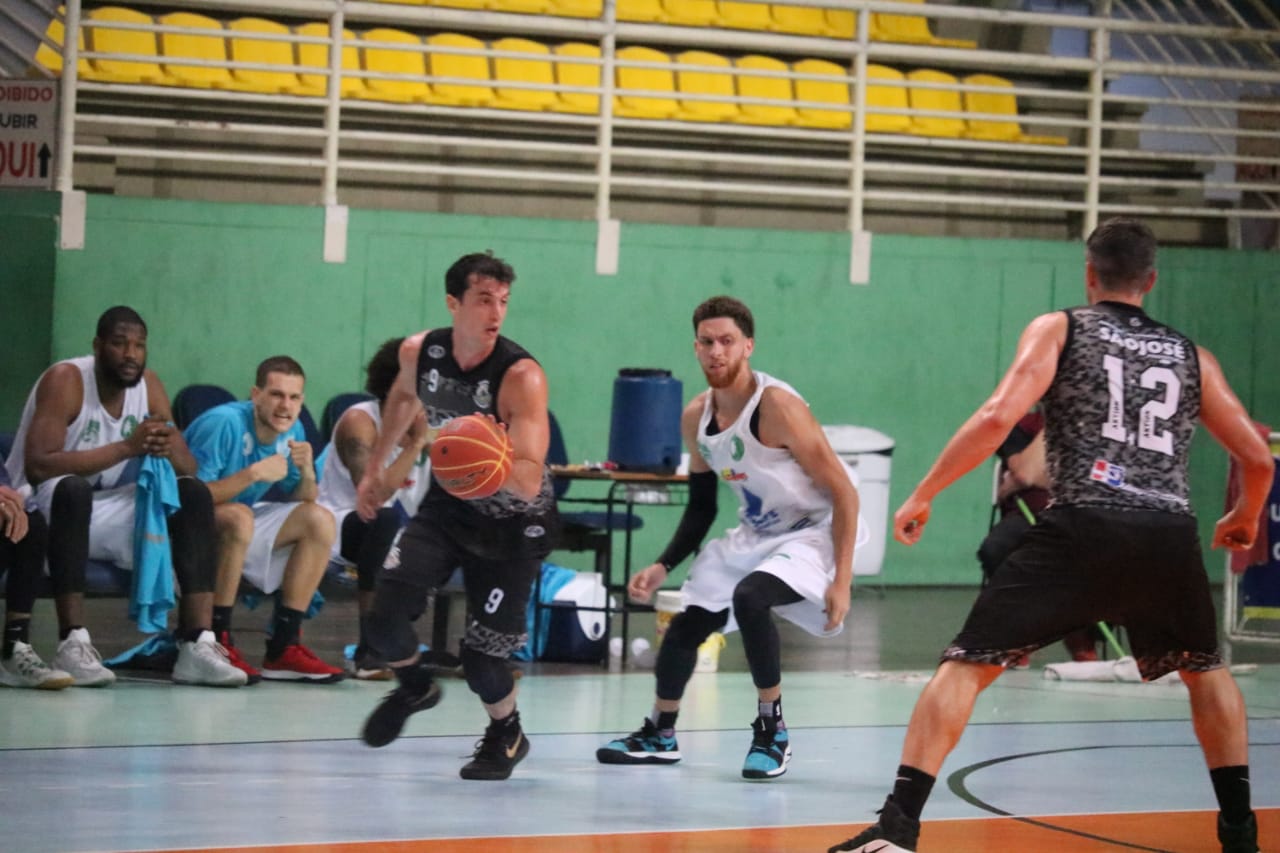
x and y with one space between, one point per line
355 455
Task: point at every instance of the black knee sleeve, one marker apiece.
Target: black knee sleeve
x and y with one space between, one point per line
678 654
389 625
69 516
488 677
191 530
753 599
366 543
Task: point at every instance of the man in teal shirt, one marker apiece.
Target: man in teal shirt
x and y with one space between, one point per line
249 452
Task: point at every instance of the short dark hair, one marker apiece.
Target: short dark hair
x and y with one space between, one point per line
113 317
277 364
380 374
1122 252
483 264
726 306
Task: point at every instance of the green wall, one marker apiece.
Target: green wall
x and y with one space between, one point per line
28 243
223 286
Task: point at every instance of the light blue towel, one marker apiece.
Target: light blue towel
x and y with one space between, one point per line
152 598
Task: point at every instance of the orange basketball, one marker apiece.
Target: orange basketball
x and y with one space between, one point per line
471 457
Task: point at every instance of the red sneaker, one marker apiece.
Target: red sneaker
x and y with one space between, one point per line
299 663
237 660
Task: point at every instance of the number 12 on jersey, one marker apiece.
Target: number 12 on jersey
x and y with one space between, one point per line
1158 409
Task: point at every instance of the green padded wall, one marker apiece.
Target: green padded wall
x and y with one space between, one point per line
911 354
28 242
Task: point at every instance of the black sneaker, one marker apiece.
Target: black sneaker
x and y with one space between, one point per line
893 833
646 745
365 665
502 747
1239 838
387 720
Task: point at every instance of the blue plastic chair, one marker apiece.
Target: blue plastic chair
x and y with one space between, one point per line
585 530
194 400
312 432
333 410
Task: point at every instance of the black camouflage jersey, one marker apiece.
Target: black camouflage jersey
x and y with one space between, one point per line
497 527
1121 411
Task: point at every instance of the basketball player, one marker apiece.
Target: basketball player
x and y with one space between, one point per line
1122 394
792 551
498 541
83 430
246 449
361 543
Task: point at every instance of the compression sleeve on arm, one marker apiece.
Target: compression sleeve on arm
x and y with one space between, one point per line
699 515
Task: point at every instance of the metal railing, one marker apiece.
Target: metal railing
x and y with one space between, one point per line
874 178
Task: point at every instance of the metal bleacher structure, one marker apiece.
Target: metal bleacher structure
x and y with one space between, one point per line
1021 118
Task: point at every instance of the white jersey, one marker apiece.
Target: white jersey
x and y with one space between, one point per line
338 492
775 495
93 427
785 523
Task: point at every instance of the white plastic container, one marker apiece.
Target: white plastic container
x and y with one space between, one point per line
870 454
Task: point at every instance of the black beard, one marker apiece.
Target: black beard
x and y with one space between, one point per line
114 378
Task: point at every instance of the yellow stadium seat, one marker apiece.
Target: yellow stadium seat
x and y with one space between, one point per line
390 51
206 48
316 55
526 7
938 100
467 66
261 51
692 79
460 4
654 79
999 103
912 29
841 23
834 92
801 20
105 39
886 88
577 8
536 68
775 88
744 16
691 13
51 59
641 10
583 75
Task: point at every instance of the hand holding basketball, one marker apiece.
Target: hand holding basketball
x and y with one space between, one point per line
471 457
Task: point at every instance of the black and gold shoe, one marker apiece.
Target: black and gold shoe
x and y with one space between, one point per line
502 747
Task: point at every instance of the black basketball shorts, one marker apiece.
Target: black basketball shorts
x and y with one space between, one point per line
1078 566
497 590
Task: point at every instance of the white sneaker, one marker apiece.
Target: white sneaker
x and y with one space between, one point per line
77 657
25 669
206 662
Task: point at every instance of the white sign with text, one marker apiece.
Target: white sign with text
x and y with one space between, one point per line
28 133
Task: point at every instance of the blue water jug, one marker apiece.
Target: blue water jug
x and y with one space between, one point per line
644 431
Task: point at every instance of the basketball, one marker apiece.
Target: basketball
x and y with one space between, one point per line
471 457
